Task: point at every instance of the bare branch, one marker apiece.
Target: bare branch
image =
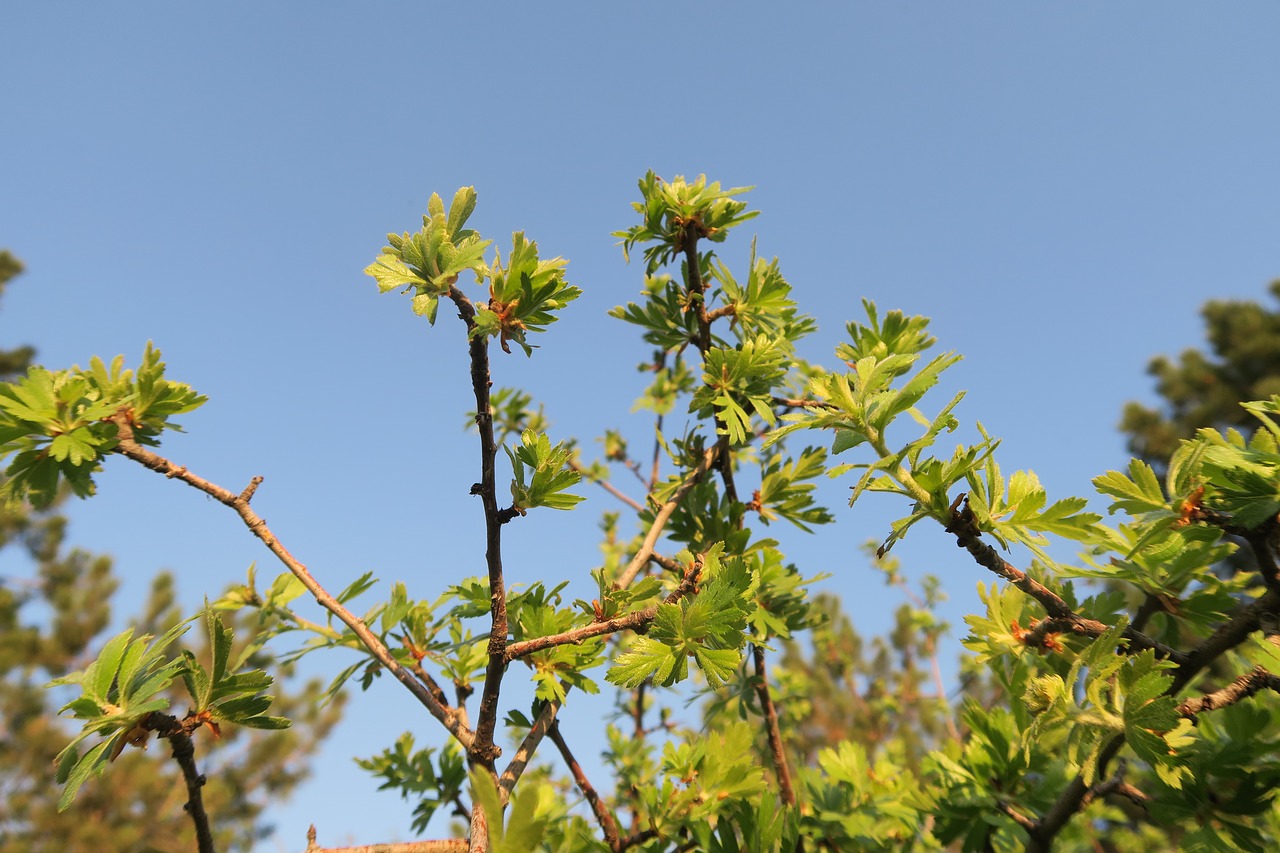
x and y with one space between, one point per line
184 753
664 514
612 489
1020 819
771 720
528 746
127 446
1242 688
450 845
483 750
604 816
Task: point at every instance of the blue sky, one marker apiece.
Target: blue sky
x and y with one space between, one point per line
1059 187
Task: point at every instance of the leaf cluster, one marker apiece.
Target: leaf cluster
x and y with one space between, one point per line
58 426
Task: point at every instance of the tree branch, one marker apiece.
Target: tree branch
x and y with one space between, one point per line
128 447
528 746
611 489
771 720
964 527
608 825
1227 636
1242 688
664 514
1116 785
184 752
483 750
451 845
631 621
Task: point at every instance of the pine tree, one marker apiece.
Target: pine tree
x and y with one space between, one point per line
1205 389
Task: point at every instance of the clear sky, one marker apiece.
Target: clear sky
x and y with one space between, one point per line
1059 187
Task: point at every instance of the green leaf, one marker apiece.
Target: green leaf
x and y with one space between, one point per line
86 767
1135 494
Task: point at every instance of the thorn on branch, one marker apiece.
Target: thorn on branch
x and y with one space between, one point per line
247 494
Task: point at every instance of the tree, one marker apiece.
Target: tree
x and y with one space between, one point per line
1206 389
1104 736
74 589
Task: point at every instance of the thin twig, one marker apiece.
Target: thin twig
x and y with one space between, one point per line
964 527
1116 785
657 454
631 621
1227 636
604 815
612 489
184 753
546 717
664 514
771 719
483 750
1017 817
451 845
1252 682
127 446
790 403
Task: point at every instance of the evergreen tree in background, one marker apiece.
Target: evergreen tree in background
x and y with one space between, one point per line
1205 389
52 623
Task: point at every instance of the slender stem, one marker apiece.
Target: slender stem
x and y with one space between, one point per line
638 735
664 514
185 754
1227 636
613 490
483 751
657 454
631 621
450 845
1017 817
603 814
775 734
1061 617
528 746
1252 682
127 446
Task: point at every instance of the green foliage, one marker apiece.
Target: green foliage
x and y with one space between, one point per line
738 377
542 473
226 692
1086 722
671 212
419 775
59 427
125 686
429 262
121 687
709 627
524 294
